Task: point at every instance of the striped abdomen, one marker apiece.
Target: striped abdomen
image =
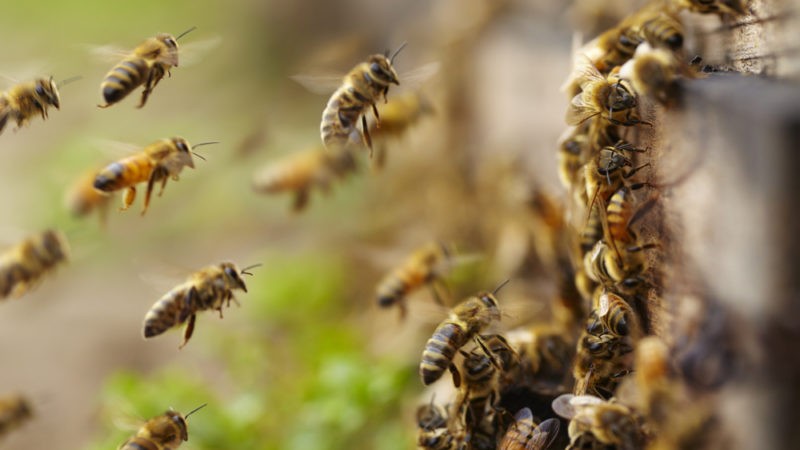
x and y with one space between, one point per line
398 284
340 117
448 337
124 173
619 215
170 310
137 443
124 78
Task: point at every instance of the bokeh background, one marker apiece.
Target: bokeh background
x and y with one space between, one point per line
308 360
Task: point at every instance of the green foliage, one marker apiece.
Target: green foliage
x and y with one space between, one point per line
295 374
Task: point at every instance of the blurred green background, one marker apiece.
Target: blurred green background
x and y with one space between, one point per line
308 360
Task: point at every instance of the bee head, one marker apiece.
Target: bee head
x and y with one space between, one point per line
47 91
171 44
380 67
232 276
184 151
180 422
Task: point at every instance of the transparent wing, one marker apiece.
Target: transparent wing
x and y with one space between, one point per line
603 305
562 405
193 52
580 110
106 53
416 76
321 84
544 435
115 149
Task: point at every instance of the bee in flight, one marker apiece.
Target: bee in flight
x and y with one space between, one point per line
22 266
146 64
83 197
159 161
466 321
524 434
361 88
423 267
209 288
21 102
300 172
164 432
14 410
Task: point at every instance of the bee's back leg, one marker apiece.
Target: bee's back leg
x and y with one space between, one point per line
187 334
128 197
367 137
300 200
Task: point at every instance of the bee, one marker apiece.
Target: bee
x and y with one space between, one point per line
398 115
159 161
721 7
618 317
423 267
573 152
524 434
663 30
466 320
83 197
23 265
545 352
652 73
147 64
361 88
437 439
610 423
606 172
209 288
165 432
431 416
300 172
21 102
14 411
611 98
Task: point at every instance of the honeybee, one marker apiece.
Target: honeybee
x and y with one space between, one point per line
23 265
720 7
164 432
209 288
573 151
146 64
300 172
524 434
611 98
397 116
21 102
545 353
361 88
14 411
618 317
610 423
424 266
431 416
466 320
606 172
652 72
83 197
437 439
159 161
662 30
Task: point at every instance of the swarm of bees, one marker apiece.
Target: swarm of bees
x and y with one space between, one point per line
595 364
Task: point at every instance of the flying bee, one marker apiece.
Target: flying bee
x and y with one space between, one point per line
425 266
611 423
165 432
611 98
300 172
398 115
83 197
525 434
159 161
147 64
361 88
14 411
466 320
209 288
23 101
23 265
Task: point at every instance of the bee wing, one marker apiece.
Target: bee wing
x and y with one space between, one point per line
562 405
322 84
544 435
603 305
195 51
107 53
580 110
415 77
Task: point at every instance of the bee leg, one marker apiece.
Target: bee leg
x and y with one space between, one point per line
377 116
158 173
401 306
380 157
128 197
300 200
152 80
3 120
187 334
163 185
367 137
455 373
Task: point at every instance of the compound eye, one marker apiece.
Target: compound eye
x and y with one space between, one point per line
375 68
171 42
182 146
39 89
230 272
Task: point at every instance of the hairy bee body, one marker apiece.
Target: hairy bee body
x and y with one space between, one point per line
609 97
165 432
466 320
83 197
159 161
14 411
420 268
525 434
300 172
361 88
610 423
21 102
22 266
210 288
147 64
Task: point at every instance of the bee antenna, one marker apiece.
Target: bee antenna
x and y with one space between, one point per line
500 286
204 143
68 80
195 410
185 33
199 156
245 270
394 55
